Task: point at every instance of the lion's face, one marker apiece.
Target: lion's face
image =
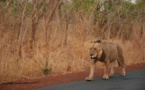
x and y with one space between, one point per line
94 53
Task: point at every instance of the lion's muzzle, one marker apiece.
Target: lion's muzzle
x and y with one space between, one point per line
93 57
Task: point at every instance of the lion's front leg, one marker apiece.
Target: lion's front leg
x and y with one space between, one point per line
112 69
106 71
92 67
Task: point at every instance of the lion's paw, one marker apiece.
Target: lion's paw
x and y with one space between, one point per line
89 79
123 74
106 77
111 75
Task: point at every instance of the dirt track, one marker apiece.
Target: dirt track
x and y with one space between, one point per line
60 79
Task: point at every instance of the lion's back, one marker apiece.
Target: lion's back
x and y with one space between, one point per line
110 49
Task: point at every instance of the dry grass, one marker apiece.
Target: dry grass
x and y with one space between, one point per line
61 58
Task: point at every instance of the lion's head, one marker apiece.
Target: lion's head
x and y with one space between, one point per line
96 50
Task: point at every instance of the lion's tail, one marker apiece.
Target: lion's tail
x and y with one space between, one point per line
118 62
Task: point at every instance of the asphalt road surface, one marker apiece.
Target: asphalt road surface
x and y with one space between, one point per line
133 81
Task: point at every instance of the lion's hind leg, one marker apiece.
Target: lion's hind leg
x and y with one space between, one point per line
122 65
121 61
123 71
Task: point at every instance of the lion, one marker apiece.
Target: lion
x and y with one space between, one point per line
107 53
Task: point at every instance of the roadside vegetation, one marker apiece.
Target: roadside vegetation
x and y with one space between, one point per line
49 37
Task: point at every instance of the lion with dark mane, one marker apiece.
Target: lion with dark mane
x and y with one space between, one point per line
107 53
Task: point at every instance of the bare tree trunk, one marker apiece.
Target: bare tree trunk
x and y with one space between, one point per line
141 33
0 15
21 30
66 30
49 19
48 23
34 23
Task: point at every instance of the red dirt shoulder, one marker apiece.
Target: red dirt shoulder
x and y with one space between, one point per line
60 79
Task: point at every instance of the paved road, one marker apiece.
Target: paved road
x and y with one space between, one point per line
133 81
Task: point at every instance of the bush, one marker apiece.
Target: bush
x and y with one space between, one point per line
47 69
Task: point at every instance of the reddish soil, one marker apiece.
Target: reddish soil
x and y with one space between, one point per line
60 79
